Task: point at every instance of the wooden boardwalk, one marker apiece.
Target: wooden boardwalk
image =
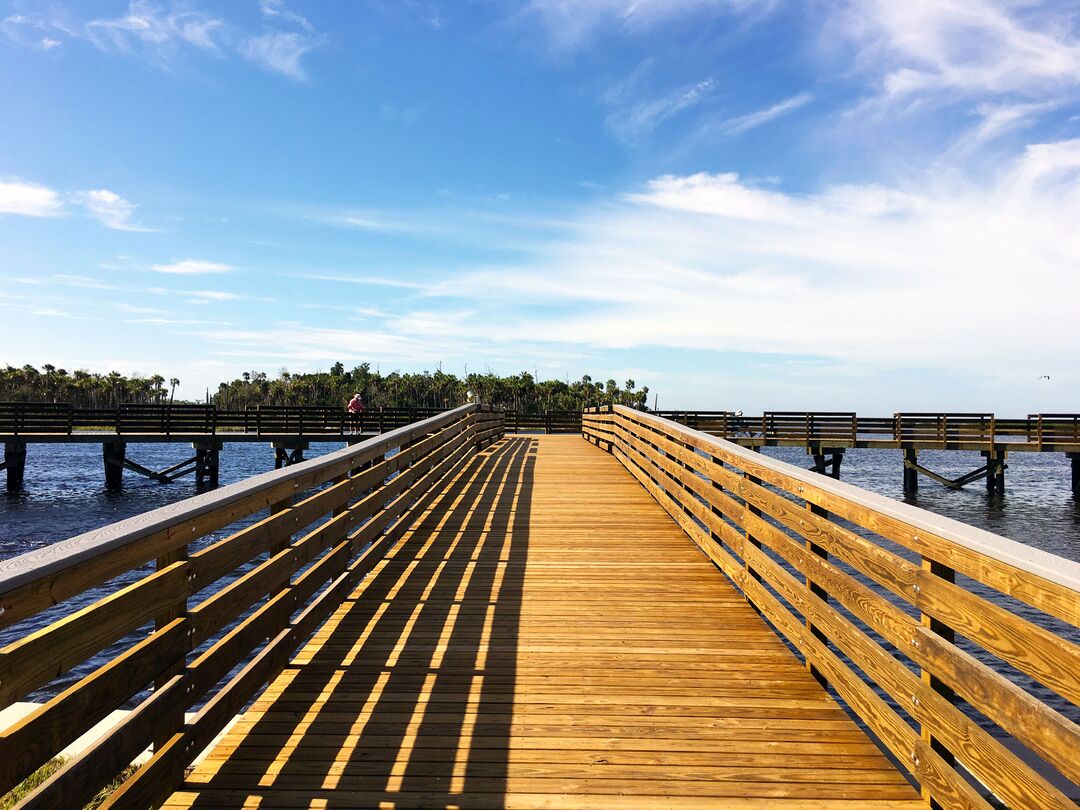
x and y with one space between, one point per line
546 636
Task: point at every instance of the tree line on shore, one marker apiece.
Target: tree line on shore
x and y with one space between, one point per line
520 392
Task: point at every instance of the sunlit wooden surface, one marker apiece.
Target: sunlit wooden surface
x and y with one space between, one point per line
545 637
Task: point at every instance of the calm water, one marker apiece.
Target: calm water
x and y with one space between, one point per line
65 490
64 496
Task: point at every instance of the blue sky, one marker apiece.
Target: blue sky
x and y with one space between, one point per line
742 203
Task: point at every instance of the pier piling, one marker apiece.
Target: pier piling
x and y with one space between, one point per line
995 471
827 461
207 458
1075 459
114 455
911 472
15 464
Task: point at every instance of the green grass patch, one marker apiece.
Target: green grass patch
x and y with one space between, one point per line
42 774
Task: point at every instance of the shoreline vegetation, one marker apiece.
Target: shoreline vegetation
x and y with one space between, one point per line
521 392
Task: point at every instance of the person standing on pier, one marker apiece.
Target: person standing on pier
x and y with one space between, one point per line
356 407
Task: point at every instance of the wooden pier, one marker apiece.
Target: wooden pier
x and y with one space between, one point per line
288 430
826 436
645 616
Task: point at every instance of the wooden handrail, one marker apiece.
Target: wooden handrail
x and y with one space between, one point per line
784 536
269 593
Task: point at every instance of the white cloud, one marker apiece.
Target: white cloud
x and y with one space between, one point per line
147 26
29 199
375 281
281 51
109 208
277 9
35 32
164 32
745 123
922 47
861 274
215 295
571 23
191 267
640 118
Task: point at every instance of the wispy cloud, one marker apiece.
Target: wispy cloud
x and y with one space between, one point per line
215 295
640 118
281 51
191 267
166 33
277 9
744 123
922 47
712 262
29 199
109 208
149 28
33 32
370 281
572 24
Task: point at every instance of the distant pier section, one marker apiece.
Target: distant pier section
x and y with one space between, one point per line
288 430
825 436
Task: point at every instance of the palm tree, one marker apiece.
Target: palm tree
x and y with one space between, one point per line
172 393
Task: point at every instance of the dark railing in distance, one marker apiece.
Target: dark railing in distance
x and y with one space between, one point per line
28 418
1046 431
840 428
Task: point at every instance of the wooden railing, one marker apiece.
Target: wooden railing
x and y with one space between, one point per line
927 430
48 418
243 575
948 642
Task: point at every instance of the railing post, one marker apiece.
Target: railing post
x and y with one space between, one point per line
753 510
178 610
15 464
818 591
716 509
949 575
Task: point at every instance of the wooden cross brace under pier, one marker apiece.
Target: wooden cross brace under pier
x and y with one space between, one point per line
993 471
205 465
288 452
827 460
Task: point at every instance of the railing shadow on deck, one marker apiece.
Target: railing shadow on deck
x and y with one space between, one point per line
422 705
225 618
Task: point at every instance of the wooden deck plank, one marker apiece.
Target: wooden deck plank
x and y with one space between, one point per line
545 636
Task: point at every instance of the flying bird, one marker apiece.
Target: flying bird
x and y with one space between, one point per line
1045 377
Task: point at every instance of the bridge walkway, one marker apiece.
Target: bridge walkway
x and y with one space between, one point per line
545 636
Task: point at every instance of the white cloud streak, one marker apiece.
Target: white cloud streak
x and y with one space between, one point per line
745 123
164 33
924 47
281 51
29 199
639 119
570 25
110 209
867 274
191 267
148 27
